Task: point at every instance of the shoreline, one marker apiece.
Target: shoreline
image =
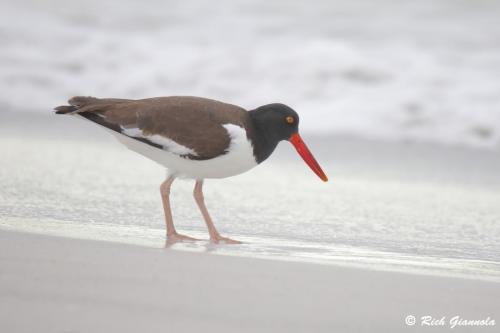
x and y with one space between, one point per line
268 249
63 284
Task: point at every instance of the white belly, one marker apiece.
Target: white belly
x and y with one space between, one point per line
238 158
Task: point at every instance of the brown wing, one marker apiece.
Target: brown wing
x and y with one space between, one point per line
193 122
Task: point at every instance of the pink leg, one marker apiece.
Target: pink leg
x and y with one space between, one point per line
172 235
214 234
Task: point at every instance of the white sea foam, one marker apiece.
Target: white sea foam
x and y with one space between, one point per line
399 70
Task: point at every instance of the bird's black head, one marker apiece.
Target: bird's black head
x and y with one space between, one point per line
274 123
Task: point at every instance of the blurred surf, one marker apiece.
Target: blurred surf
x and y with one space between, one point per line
399 70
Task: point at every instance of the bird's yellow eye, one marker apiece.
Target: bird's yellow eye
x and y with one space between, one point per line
289 120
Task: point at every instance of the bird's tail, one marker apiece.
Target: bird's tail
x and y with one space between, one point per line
76 103
79 104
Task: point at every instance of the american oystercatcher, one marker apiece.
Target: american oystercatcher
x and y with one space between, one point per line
195 138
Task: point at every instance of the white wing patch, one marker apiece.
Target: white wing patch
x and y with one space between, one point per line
167 144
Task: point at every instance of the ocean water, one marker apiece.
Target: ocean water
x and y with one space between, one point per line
405 207
388 69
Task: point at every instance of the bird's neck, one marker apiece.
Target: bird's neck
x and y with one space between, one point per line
264 138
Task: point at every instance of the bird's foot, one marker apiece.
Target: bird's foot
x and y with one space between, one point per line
175 237
217 239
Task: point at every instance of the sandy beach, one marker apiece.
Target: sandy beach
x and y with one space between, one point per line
50 284
413 234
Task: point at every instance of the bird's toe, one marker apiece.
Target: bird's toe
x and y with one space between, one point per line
180 238
224 240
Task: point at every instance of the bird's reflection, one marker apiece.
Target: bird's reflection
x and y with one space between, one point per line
198 245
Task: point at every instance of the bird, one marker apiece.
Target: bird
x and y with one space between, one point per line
195 138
